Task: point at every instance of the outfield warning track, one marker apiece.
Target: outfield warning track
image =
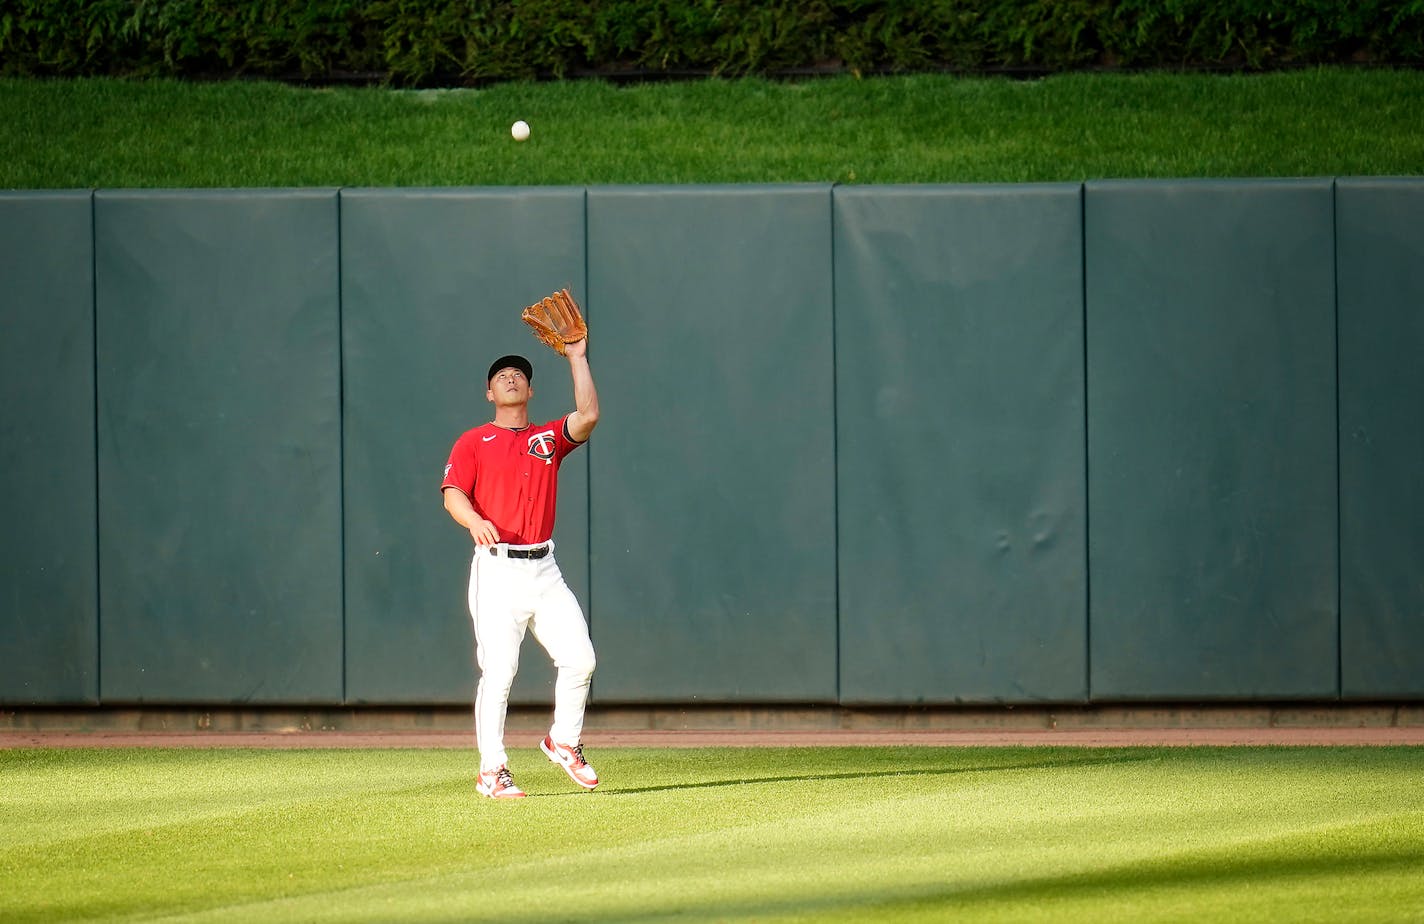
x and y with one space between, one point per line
699 738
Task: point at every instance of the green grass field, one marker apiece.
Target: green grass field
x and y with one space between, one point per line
814 834
913 129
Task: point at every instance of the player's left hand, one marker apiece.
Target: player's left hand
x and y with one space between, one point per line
557 321
576 350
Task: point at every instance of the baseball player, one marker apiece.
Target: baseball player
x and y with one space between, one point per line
501 484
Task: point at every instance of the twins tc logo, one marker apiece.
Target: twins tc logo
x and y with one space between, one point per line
541 446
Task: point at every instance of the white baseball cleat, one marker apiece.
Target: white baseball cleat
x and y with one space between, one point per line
571 759
498 784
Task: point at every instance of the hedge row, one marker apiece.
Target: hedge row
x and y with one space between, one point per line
425 42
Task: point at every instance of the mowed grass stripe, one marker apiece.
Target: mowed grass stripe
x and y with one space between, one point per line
717 834
1365 871
119 790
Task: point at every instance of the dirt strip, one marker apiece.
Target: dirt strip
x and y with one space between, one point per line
612 738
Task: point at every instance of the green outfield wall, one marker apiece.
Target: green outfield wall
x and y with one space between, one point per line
1211 439
1048 443
713 474
1380 259
959 390
49 560
217 328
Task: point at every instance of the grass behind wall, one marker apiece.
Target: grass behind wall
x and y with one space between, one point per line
914 129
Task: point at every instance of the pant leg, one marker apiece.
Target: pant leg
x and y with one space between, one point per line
559 626
499 625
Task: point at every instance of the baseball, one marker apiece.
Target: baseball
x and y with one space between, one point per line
520 130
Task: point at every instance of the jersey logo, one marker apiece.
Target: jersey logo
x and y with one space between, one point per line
542 445
448 466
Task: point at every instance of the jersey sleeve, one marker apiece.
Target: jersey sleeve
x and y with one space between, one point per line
566 443
460 467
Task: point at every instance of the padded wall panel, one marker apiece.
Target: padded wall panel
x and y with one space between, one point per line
219 443
712 475
1381 265
49 547
960 434
1211 439
433 282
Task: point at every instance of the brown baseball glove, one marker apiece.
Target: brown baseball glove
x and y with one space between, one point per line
556 320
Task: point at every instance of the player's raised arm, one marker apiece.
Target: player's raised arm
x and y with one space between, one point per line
558 322
585 416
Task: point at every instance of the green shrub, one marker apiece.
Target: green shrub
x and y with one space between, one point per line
417 42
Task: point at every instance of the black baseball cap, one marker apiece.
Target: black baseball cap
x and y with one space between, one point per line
511 362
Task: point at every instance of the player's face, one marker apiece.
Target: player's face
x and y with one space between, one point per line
509 386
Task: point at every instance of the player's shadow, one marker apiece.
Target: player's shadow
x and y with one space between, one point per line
1050 764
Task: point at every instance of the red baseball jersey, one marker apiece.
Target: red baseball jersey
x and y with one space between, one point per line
512 476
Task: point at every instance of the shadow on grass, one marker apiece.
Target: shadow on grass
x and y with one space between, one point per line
879 774
1226 873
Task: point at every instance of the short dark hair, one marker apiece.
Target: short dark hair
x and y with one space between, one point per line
510 362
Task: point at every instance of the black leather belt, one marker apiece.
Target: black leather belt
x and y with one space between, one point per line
540 552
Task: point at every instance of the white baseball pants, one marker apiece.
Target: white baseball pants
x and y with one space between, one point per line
508 596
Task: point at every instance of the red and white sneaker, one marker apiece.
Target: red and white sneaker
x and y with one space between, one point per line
498 784
571 759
